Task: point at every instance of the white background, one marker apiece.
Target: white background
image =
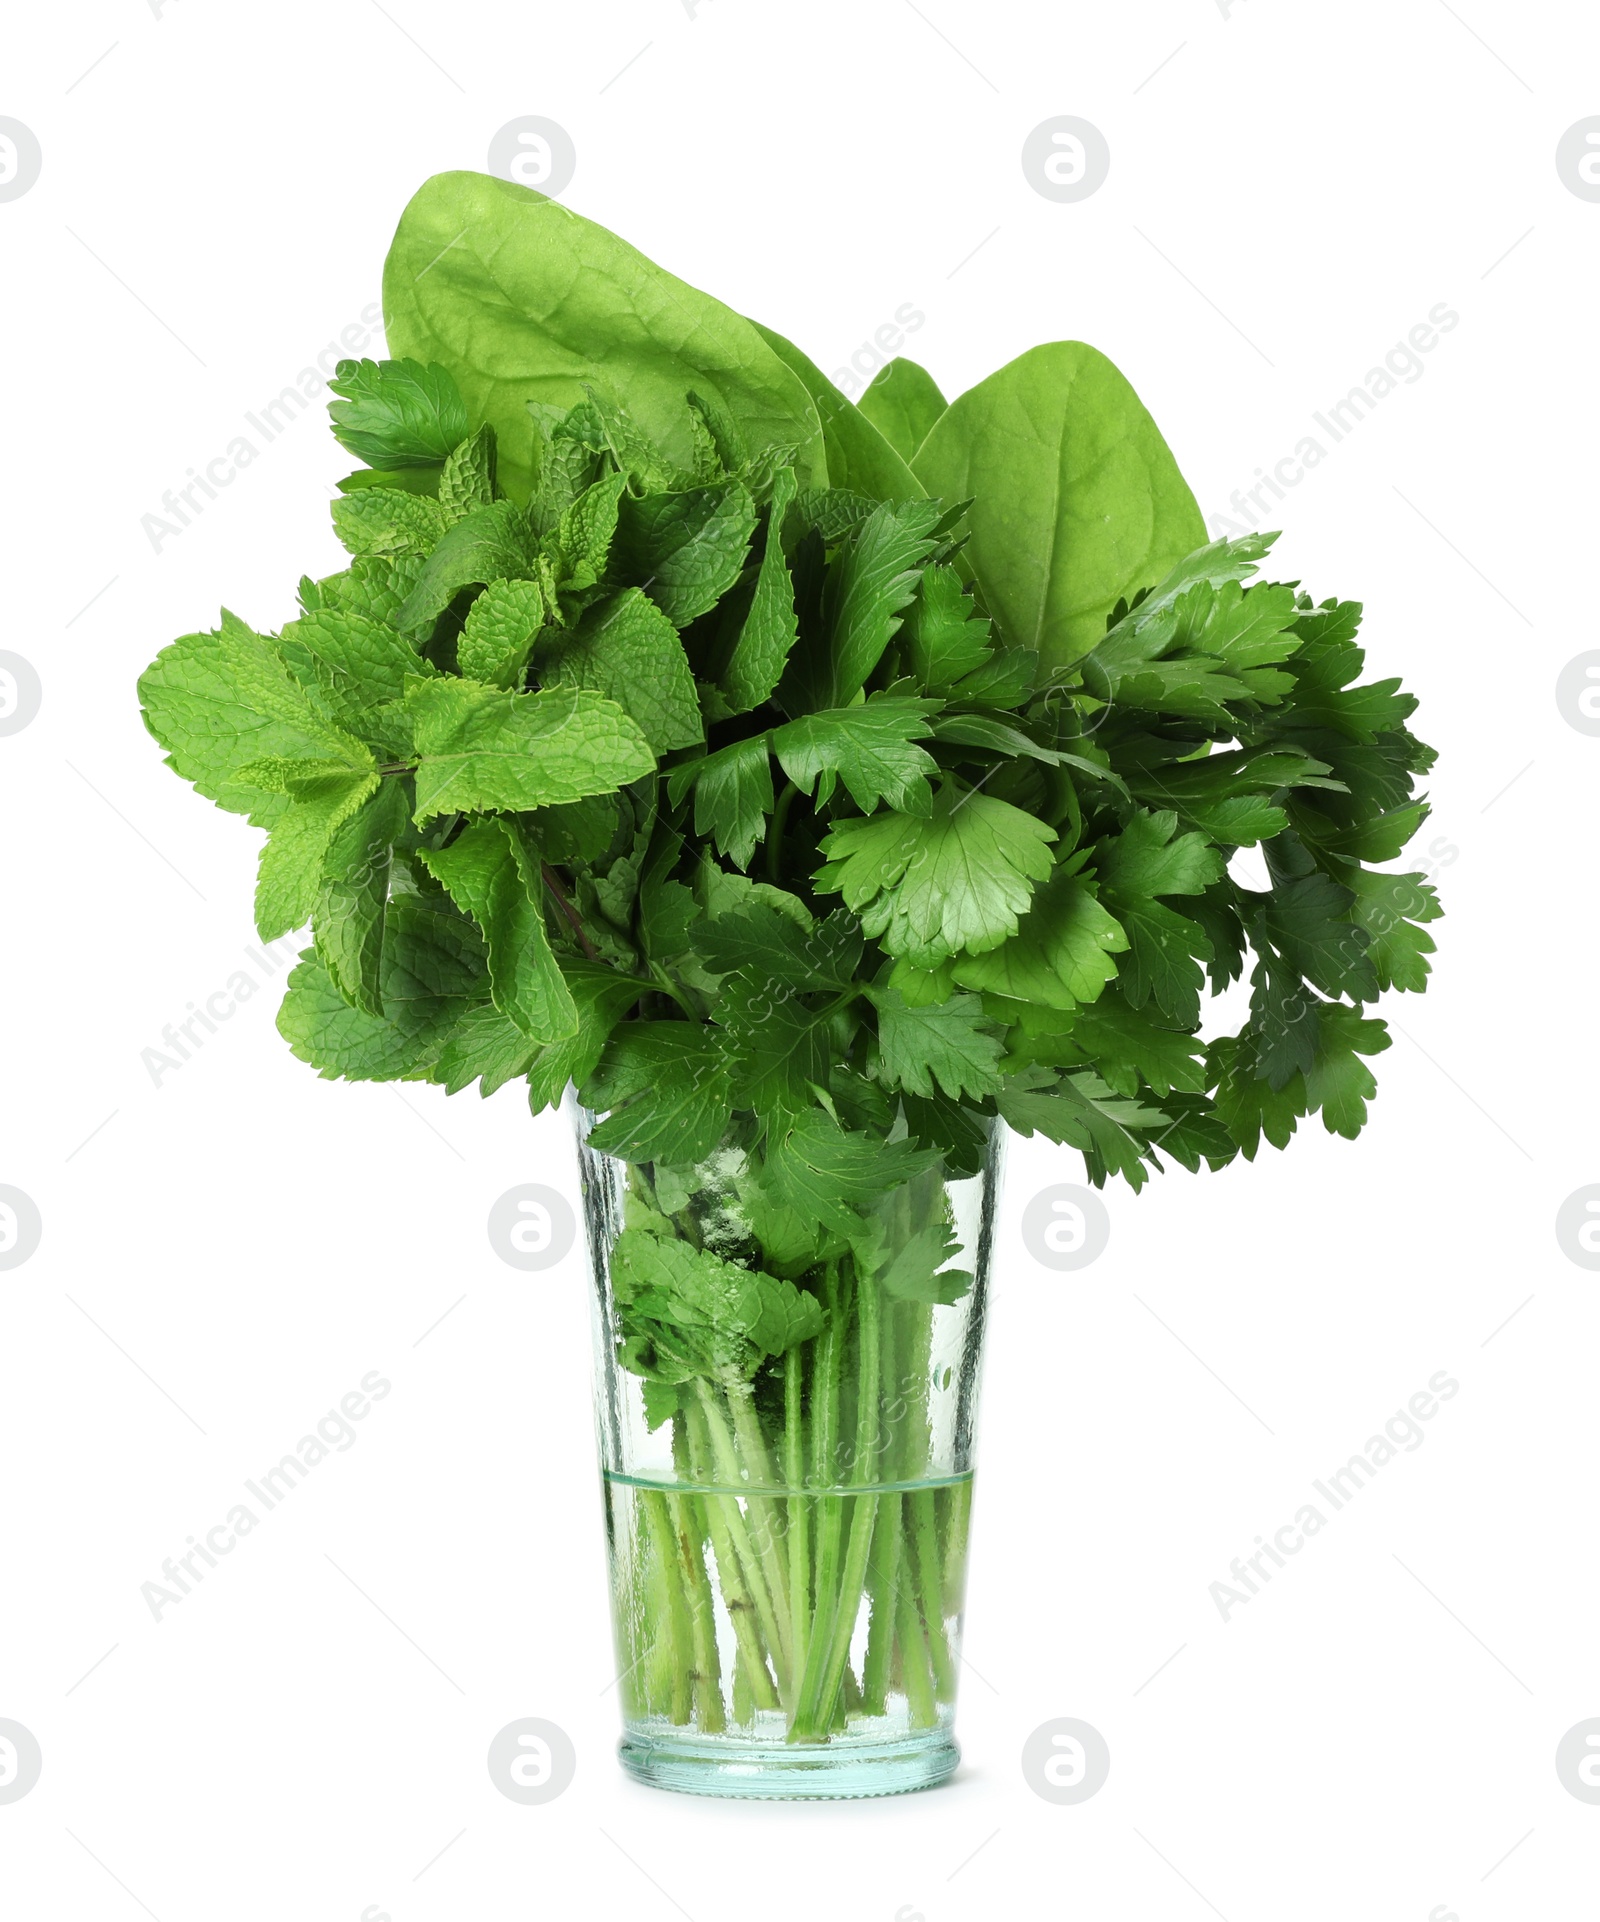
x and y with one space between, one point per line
1292 191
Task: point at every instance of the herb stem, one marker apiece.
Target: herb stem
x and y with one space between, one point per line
573 917
780 820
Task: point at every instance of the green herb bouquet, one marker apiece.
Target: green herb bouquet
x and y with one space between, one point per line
814 788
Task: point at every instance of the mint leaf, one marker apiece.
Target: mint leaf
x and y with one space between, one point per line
482 748
685 549
289 878
485 1047
488 544
359 668
871 748
374 587
432 965
491 876
348 917
581 544
687 1311
667 1082
498 633
732 795
602 997
219 701
625 648
945 1042
396 413
466 481
387 521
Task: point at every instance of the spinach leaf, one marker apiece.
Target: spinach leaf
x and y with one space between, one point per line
523 300
902 402
1077 502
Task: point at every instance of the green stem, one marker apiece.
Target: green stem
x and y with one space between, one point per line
930 1589
883 1566
825 1395
752 1670
915 1677
819 1689
766 1511
794 1471
780 820
675 1615
883 1576
955 1546
749 1551
706 1674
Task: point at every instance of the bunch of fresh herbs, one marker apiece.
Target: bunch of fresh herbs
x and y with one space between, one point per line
809 786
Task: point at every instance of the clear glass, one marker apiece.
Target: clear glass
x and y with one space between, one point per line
788 1550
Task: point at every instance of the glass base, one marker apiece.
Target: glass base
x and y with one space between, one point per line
794 1772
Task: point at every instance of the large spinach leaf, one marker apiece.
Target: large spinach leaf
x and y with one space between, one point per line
524 300
1076 498
903 402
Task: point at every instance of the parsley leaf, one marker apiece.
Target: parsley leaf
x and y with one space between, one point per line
668 1087
930 888
872 748
945 1042
1061 954
396 413
732 795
